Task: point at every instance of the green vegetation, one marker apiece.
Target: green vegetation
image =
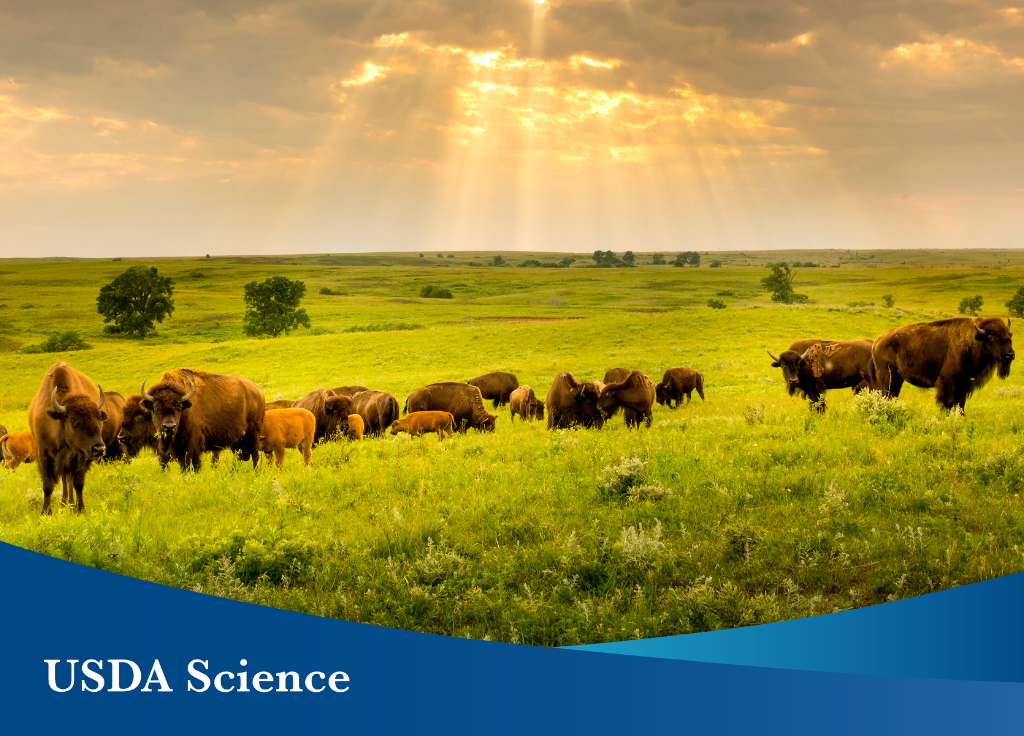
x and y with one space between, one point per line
688 258
1016 304
658 259
435 292
889 300
971 304
59 342
716 264
741 509
716 303
780 284
272 307
134 301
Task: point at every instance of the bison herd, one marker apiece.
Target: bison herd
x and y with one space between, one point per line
188 412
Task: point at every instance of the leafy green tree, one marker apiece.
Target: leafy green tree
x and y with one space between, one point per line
689 258
272 307
498 261
780 284
605 259
135 300
657 260
440 255
1016 305
971 304
628 258
567 261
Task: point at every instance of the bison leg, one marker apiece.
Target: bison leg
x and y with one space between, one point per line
279 456
49 481
649 418
79 483
66 487
307 451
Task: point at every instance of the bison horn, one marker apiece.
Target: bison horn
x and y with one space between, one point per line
145 395
804 356
99 404
56 406
773 357
980 331
191 389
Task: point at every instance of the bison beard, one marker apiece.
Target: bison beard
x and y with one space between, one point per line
953 356
462 401
570 403
497 386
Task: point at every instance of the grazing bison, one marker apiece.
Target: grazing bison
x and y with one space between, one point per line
66 416
497 386
326 421
355 426
114 409
196 412
526 404
614 375
17 448
634 394
377 409
570 403
462 401
426 421
678 382
843 364
953 356
348 390
280 404
284 428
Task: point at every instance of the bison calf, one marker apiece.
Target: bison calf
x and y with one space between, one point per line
354 427
426 421
17 448
679 382
284 428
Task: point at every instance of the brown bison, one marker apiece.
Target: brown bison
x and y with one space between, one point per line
634 394
114 409
462 401
678 382
377 409
355 426
570 403
426 421
17 448
284 428
497 386
137 430
953 356
614 375
348 390
526 404
3 430
195 412
66 416
326 421
843 364
280 404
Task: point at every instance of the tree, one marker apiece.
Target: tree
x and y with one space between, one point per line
657 260
971 304
689 258
498 261
421 255
567 261
715 264
628 258
135 300
780 284
272 307
440 255
1016 305
605 259
889 300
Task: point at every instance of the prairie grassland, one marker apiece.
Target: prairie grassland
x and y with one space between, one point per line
746 508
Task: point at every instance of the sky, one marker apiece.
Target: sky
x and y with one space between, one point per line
227 127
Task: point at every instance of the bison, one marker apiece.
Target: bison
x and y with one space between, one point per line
570 403
843 364
17 448
326 421
426 421
137 430
675 383
377 409
462 401
497 386
348 390
66 416
114 409
195 412
280 404
953 356
614 375
284 428
525 403
355 426
634 394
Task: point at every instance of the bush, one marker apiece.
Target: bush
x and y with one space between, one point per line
436 292
135 300
327 291
628 480
971 304
530 262
657 260
498 261
383 327
716 264
877 408
889 300
59 342
1016 305
716 303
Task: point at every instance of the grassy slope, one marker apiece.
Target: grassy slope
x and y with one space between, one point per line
508 535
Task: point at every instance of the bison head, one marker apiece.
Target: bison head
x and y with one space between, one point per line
82 420
488 423
661 393
165 402
997 342
136 426
790 362
537 409
587 408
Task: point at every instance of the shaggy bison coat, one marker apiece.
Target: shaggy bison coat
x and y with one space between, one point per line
525 403
3 430
137 429
66 416
462 401
114 408
17 448
426 421
377 409
843 364
570 403
354 427
348 390
953 356
634 394
679 382
327 421
497 386
280 404
195 412
284 428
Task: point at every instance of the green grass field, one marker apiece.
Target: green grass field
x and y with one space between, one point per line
774 512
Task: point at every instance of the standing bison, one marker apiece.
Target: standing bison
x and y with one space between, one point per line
525 403
137 430
844 364
377 409
679 382
17 448
113 406
195 412
953 356
348 390
66 416
464 402
315 402
573 403
634 394
497 386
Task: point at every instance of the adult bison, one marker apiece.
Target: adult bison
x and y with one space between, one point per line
195 412
464 402
953 356
66 416
679 382
843 364
280 404
137 430
348 390
497 386
525 403
113 406
326 422
570 403
614 375
634 394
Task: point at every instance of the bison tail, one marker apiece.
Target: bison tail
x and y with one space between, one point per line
497 402
700 385
405 409
393 410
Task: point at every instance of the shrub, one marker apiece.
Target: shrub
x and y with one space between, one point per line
877 408
642 549
383 327
328 291
716 264
657 260
1016 305
889 300
971 304
754 414
716 303
530 262
628 480
498 261
59 342
436 292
